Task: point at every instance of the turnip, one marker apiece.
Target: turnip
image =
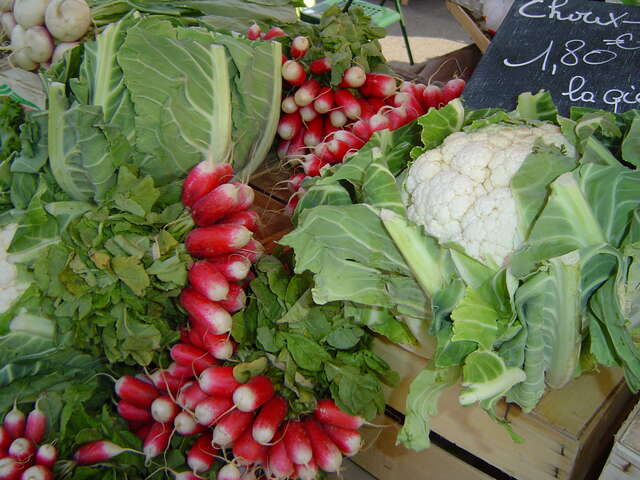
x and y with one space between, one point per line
20 57
8 23
38 44
67 20
61 49
29 13
202 179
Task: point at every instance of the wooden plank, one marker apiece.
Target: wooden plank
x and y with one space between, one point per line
556 433
385 460
624 461
467 22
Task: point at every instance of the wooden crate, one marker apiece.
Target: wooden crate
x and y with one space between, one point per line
469 25
624 460
382 458
565 435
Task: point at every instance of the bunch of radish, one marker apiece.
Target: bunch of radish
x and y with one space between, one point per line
322 125
22 457
41 31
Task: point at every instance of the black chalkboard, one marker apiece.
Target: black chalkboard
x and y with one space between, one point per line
585 53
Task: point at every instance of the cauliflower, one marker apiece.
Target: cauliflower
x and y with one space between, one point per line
460 192
10 288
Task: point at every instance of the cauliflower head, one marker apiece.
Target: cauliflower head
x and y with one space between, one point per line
460 191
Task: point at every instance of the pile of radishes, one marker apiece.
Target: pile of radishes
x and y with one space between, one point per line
225 416
21 455
321 125
41 31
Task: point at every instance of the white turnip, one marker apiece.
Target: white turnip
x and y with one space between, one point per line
8 23
29 13
61 49
38 44
68 20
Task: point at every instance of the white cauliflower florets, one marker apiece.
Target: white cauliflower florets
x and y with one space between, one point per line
461 191
10 288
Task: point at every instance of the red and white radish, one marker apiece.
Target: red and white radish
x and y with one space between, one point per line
157 440
129 411
208 315
297 443
190 395
320 66
228 472
67 20
246 450
350 106
217 240
250 219
14 423
253 394
307 92
283 149
220 347
308 471
229 428
202 179
10 469
36 425
362 130
207 280
180 371
347 440
293 72
338 150
22 450
222 200
299 46
246 195
289 105
37 472
253 250
165 382
352 140
314 132
289 125
280 465
269 419
378 85
211 409
164 409
325 453
234 267
328 412
308 113
378 122
47 455
192 357
324 102
311 165
99 451
453 89
337 118
202 454
432 96
254 32
185 424
295 181
273 32
218 380
353 77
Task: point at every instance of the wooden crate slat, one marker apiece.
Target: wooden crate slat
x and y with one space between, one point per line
555 442
382 458
274 222
271 181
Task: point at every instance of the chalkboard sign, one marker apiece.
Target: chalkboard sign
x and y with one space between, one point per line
585 53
